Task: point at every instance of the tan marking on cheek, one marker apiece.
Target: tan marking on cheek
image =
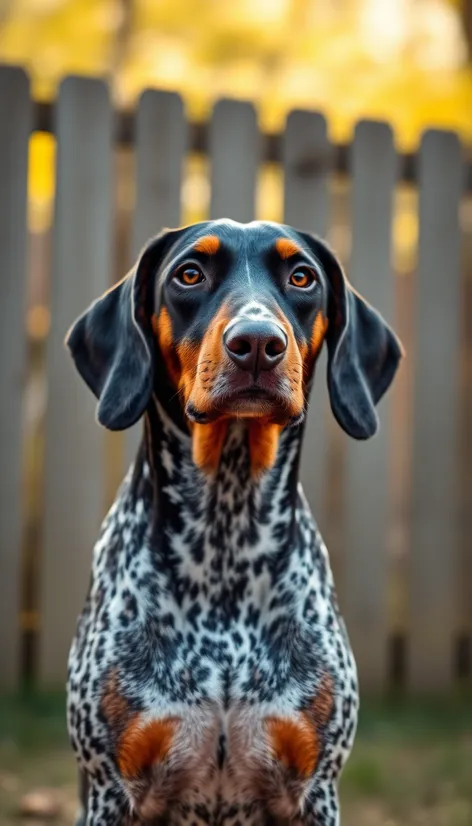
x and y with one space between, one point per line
318 333
310 352
162 328
286 247
303 349
211 359
155 325
188 360
263 445
294 743
208 244
207 444
141 745
292 366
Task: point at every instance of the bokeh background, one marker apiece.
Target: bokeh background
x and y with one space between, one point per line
403 61
407 63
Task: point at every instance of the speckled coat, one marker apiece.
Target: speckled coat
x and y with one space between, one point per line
211 679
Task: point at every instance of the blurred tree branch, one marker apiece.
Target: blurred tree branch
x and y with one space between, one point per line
466 15
122 38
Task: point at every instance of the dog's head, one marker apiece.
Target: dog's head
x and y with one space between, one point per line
238 315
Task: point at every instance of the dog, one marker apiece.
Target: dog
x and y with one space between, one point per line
211 679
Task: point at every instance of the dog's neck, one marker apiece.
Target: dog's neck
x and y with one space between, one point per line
207 524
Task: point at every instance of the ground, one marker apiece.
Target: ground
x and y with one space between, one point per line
411 765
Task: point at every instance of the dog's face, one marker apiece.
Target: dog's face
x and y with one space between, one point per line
237 315
240 315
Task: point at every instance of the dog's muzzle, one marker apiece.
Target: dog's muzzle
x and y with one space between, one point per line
255 346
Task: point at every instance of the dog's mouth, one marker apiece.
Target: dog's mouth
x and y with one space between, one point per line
253 394
249 402
253 401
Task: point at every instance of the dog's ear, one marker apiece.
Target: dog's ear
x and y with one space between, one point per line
112 343
363 351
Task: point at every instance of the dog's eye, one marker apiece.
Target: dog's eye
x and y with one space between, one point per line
189 276
302 277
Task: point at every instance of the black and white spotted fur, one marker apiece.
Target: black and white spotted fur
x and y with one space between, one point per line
211 602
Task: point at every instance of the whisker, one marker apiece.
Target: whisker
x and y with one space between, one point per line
179 390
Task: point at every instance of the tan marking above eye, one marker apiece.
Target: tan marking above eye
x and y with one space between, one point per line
286 247
208 244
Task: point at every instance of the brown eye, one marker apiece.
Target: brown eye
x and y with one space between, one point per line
301 278
190 276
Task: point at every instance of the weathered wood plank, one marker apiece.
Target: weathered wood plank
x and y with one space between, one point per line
161 144
374 168
465 453
15 113
234 149
74 458
434 529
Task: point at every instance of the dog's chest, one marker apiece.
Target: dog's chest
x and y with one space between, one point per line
224 644
227 614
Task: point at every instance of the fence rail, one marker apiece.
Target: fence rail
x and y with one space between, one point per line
336 156
414 478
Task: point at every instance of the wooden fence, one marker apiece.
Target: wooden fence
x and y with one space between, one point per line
409 612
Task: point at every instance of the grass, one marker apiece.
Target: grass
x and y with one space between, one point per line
34 754
411 765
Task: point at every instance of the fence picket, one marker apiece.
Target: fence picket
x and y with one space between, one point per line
306 164
161 143
81 266
434 530
14 136
465 452
367 482
75 458
234 154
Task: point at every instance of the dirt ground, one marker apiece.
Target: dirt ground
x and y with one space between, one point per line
411 765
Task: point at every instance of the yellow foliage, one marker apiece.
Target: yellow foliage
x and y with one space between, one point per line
42 149
385 59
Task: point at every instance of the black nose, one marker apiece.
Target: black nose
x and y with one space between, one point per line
255 345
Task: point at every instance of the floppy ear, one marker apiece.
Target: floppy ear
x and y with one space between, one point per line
112 343
363 351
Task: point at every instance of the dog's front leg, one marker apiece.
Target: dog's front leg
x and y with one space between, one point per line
102 804
322 806
83 799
